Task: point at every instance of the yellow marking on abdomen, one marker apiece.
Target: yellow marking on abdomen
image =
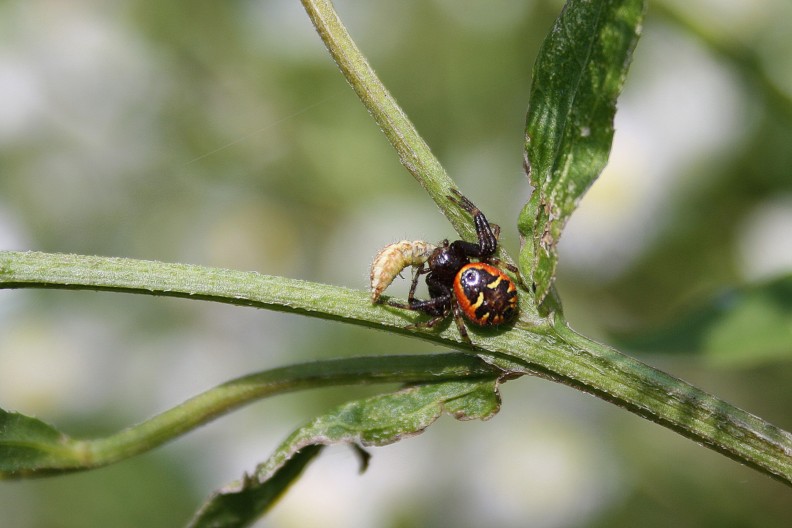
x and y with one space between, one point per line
479 301
495 283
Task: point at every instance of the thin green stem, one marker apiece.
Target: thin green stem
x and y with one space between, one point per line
414 153
229 396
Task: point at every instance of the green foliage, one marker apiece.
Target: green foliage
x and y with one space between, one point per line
28 445
577 78
749 326
240 504
375 421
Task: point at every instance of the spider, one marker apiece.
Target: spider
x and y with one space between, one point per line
477 291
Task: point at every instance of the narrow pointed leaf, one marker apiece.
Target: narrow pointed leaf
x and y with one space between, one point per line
577 77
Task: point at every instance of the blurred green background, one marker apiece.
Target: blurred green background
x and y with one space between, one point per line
221 133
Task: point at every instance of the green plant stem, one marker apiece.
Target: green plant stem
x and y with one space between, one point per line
231 395
414 153
78 272
544 348
679 406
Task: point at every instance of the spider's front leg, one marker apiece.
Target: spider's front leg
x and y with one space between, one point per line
487 235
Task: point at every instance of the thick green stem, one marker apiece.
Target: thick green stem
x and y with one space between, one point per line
534 347
680 406
79 272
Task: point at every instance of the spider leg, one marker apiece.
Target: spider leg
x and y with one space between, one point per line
504 265
460 323
431 322
416 276
487 235
462 201
495 230
438 307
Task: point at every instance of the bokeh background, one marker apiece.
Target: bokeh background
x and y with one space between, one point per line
221 134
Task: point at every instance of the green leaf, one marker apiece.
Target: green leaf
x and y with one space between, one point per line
29 446
739 328
577 77
375 421
241 503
